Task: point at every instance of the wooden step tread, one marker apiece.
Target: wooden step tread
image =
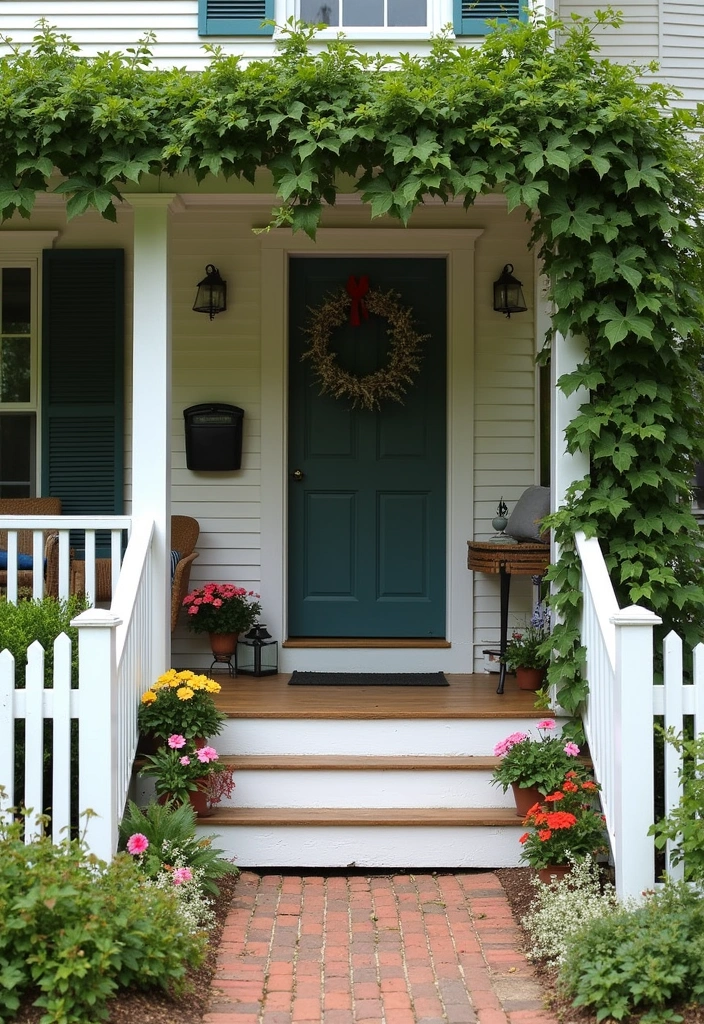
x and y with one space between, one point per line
328 816
356 762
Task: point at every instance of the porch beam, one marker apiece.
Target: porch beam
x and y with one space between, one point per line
151 407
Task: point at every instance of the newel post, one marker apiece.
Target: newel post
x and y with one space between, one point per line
633 750
97 729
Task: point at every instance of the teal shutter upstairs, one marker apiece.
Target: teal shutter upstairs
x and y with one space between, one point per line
235 17
82 379
471 16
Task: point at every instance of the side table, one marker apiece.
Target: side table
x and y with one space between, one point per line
507 560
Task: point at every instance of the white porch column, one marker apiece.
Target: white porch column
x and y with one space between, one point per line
566 353
151 405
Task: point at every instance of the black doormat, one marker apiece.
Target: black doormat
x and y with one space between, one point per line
368 679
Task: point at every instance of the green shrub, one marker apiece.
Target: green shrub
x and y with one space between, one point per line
684 825
75 930
171 833
640 960
23 623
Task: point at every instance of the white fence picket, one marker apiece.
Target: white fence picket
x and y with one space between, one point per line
674 719
34 741
61 740
7 728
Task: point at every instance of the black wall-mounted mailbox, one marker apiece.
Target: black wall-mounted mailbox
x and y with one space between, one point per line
213 437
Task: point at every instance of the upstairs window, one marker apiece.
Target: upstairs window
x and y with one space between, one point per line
365 13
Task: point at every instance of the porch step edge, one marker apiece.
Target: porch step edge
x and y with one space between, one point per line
357 762
317 817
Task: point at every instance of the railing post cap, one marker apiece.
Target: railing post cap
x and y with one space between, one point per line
96 618
634 615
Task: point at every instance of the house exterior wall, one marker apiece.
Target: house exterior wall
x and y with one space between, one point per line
221 361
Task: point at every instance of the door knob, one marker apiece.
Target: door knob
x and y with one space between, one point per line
298 474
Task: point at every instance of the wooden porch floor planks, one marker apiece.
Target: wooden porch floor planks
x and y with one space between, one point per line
467 696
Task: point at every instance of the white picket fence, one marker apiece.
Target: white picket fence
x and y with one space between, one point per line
619 717
115 666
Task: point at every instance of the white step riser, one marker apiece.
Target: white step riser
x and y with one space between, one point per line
388 737
366 846
389 788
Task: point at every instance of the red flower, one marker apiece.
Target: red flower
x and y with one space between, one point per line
588 785
532 810
554 797
560 819
571 775
523 838
544 835
569 787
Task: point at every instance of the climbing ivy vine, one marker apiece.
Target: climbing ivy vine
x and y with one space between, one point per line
604 166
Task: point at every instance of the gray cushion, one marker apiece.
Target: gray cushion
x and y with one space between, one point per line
532 506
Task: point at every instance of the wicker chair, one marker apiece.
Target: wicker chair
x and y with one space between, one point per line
32 507
184 536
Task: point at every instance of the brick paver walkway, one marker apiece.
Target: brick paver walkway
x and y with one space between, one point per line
402 949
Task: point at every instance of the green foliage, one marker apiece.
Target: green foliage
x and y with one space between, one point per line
640 960
524 648
528 762
184 768
614 191
75 930
560 910
171 832
23 623
684 825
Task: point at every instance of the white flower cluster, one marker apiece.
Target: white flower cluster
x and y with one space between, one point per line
562 909
195 909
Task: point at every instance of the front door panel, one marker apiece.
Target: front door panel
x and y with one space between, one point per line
367 510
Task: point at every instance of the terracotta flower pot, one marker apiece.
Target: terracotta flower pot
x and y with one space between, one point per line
525 798
223 645
530 678
553 873
198 800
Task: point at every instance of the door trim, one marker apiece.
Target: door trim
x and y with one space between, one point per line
458 246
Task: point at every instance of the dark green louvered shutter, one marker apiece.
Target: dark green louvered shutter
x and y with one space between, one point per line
82 379
235 17
471 16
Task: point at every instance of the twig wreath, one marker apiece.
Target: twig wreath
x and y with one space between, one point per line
388 383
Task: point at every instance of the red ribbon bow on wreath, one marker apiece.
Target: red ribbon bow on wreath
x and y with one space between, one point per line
357 290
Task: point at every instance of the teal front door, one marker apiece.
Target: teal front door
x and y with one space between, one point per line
367 489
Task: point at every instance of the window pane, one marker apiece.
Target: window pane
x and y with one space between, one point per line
320 12
14 370
16 300
363 12
16 454
408 12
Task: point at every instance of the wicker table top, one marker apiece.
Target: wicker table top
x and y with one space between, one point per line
518 559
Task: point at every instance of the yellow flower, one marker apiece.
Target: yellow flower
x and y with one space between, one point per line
186 675
166 678
197 683
185 693
148 697
213 687
159 685
175 683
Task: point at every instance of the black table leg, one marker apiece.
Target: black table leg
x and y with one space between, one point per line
505 578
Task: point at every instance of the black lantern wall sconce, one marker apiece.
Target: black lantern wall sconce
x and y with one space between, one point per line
508 293
211 297
257 653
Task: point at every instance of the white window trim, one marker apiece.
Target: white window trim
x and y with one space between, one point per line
439 16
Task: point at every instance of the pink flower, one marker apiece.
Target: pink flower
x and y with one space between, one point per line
176 741
571 749
184 761
547 723
207 598
137 844
217 603
206 754
193 610
504 746
181 875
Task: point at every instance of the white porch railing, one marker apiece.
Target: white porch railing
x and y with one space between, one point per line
620 710
52 540
115 665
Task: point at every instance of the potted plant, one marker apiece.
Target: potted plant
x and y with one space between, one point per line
223 611
180 702
566 826
533 767
184 773
525 652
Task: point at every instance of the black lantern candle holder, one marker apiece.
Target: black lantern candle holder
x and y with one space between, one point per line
257 653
